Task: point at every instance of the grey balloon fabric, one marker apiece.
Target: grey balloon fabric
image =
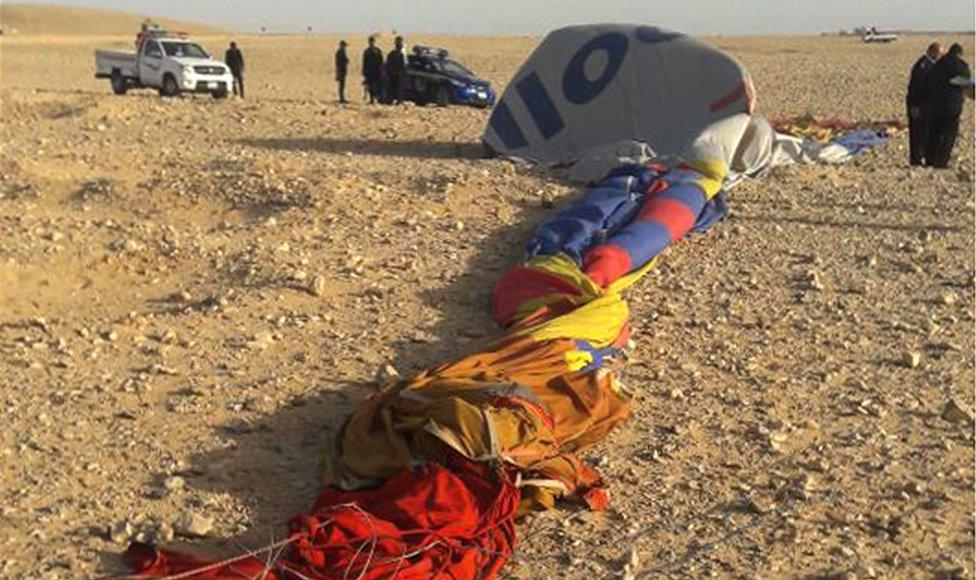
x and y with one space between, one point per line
756 147
588 87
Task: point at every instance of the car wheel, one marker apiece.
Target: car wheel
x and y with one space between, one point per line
119 85
169 88
441 98
219 94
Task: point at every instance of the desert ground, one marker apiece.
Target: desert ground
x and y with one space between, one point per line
194 293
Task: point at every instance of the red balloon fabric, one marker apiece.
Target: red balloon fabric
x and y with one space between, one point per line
520 285
452 521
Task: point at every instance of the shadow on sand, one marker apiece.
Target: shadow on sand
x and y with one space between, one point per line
417 148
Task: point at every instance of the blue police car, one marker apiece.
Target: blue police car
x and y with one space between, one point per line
432 77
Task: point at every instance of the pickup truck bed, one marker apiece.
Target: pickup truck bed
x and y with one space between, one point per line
107 61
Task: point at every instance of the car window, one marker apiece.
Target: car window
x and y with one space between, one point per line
152 49
184 49
456 69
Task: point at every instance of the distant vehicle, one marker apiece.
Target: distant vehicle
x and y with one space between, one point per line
434 78
167 62
872 35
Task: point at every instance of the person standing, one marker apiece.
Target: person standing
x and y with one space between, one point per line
372 70
946 96
235 62
918 125
396 67
341 68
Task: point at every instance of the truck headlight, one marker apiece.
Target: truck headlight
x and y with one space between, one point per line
187 70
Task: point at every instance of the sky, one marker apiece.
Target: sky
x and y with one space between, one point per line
536 16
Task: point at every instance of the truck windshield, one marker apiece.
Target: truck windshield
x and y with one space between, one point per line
184 49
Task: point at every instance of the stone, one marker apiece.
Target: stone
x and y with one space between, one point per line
164 533
631 565
911 359
261 341
777 440
121 532
174 483
386 373
756 505
914 488
634 559
954 413
815 282
818 465
193 525
317 287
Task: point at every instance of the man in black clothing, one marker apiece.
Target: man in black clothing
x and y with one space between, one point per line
918 126
341 68
946 94
235 62
396 67
372 70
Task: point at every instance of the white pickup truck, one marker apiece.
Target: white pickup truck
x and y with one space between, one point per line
872 36
169 63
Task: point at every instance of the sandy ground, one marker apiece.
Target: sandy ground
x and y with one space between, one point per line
25 18
194 293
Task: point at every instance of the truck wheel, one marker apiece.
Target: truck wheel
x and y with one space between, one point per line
220 93
119 84
441 98
169 88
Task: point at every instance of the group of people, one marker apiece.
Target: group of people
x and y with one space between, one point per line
382 80
936 91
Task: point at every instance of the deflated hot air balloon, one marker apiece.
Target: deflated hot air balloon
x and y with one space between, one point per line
596 86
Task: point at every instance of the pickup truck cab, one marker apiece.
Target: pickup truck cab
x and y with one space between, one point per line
167 62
